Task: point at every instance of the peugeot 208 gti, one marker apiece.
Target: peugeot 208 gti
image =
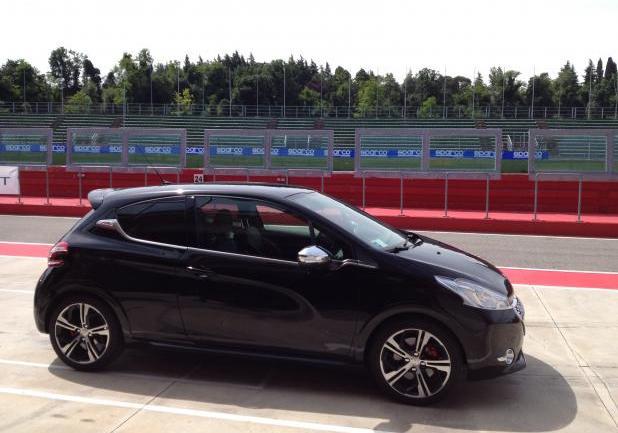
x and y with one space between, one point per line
279 271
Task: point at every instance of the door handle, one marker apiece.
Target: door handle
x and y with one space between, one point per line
200 272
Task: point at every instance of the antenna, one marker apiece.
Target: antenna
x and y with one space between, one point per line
163 181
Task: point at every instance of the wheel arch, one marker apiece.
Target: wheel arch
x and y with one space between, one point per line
101 295
371 328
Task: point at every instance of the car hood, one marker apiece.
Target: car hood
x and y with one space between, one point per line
449 261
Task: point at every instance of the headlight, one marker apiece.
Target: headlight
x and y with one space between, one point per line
474 294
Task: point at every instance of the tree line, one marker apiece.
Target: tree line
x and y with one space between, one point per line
74 79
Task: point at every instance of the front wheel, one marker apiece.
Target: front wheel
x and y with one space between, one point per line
85 333
415 361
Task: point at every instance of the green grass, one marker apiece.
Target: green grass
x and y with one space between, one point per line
569 165
339 164
23 157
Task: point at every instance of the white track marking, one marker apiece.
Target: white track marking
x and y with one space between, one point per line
25 243
38 216
515 235
558 270
273 422
26 292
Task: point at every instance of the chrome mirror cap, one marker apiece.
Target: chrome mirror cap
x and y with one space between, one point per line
108 224
313 255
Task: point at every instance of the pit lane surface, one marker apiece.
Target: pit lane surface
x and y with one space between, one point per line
570 384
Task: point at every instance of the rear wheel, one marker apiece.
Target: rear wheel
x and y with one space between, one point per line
85 333
415 361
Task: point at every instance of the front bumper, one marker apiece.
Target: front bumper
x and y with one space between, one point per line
501 338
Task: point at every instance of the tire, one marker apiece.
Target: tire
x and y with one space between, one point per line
395 362
88 346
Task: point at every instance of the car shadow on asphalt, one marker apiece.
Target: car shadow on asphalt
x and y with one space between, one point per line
534 400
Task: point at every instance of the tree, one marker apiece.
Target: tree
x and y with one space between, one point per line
543 90
599 71
66 65
566 87
610 69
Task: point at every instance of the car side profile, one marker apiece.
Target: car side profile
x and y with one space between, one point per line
278 271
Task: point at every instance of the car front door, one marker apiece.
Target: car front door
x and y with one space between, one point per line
243 285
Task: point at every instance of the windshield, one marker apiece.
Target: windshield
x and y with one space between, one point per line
347 218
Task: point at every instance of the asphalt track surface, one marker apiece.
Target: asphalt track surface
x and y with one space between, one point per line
538 252
569 385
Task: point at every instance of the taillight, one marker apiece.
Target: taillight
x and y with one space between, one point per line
58 254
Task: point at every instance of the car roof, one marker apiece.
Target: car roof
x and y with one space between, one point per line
118 197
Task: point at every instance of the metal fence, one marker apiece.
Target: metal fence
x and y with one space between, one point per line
304 111
26 147
269 151
565 154
453 153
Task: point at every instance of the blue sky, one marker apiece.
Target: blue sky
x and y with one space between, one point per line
388 36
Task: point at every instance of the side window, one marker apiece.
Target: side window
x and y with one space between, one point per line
338 249
250 227
156 220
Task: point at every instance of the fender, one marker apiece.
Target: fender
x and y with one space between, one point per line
367 329
87 287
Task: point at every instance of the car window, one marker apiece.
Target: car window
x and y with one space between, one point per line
250 227
160 220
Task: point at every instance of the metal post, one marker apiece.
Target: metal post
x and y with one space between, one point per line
532 102
487 197
363 188
446 195
350 95
229 83
79 185
287 176
110 176
401 195
146 176
47 183
536 192
284 90
247 177
322 181
579 200
19 195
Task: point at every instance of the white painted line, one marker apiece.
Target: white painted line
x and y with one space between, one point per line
183 379
597 289
25 243
558 270
27 292
38 216
273 422
34 364
515 235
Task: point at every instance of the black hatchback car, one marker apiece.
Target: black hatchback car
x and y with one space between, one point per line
279 271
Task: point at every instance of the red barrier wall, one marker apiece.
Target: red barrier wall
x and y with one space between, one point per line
513 193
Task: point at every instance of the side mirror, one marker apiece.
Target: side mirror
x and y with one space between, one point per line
109 225
313 256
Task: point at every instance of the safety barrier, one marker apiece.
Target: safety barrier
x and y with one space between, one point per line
564 154
299 152
455 153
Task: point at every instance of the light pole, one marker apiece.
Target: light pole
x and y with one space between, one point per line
229 86
284 90
151 106
24 88
444 112
503 86
532 102
473 90
257 95
321 84
349 94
